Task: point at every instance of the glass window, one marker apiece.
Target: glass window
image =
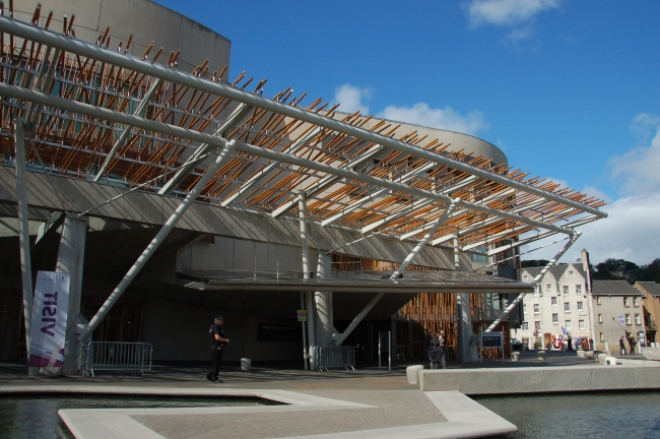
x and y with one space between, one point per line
567 306
628 319
578 289
598 300
536 308
548 288
555 318
567 324
536 291
570 272
601 336
524 277
600 318
581 324
537 326
553 300
638 320
626 301
580 306
525 326
524 308
565 289
636 301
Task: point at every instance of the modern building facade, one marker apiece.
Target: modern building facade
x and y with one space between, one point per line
171 193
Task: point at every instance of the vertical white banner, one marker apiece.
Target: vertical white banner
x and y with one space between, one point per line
51 303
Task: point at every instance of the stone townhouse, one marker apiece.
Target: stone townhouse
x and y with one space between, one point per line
651 301
618 310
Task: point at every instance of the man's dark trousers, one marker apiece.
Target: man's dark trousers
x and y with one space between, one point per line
216 360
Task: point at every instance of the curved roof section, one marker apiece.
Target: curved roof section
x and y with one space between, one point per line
106 116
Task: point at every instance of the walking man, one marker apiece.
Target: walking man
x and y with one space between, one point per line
622 345
442 353
218 340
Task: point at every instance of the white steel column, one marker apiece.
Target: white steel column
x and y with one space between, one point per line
225 155
24 234
323 300
465 315
309 300
535 281
70 258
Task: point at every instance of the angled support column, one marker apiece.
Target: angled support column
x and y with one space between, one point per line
70 259
24 234
239 113
122 137
225 155
309 300
535 281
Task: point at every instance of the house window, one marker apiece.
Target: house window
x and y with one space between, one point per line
565 289
524 277
567 324
626 301
525 326
580 306
581 324
578 289
524 308
548 288
537 327
600 318
628 319
553 300
555 318
635 301
638 320
536 309
570 272
567 307
598 300
601 336
536 291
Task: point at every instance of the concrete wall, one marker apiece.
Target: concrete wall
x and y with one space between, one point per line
151 209
543 379
147 21
610 309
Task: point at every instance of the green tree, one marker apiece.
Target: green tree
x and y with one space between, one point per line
534 263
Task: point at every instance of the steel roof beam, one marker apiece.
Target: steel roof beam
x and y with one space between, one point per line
329 180
124 135
233 119
104 113
270 167
374 195
416 206
47 37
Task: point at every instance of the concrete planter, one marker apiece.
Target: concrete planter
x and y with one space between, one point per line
412 372
540 355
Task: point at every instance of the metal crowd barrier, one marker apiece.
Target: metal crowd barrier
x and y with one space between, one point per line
114 355
326 357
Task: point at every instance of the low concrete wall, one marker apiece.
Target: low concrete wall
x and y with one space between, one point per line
543 379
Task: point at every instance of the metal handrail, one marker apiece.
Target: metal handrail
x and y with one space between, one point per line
134 357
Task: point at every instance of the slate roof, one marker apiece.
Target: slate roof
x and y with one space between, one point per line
556 270
651 287
614 288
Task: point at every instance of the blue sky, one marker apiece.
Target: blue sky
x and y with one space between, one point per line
569 90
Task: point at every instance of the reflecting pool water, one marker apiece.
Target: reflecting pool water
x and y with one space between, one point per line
30 417
603 415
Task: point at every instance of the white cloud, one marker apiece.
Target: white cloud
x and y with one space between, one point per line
506 12
631 232
637 170
632 229
443 118
352 99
